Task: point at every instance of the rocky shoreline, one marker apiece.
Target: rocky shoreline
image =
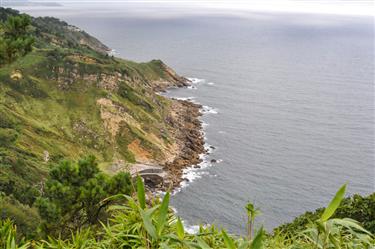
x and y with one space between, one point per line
187 132
189 137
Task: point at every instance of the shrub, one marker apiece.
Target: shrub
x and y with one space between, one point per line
16 39
75 195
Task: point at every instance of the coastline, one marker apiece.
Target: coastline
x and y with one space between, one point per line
187 130
189 134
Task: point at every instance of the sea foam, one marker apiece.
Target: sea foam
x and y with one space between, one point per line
196 80
208 110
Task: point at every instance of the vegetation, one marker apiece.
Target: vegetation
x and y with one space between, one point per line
66 98
62 96
252 213
359 208
137 224
75 195
15 38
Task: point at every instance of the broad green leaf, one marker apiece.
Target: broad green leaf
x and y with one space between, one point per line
257 242
180 229
150 228
163 213
334 204
141 192
228 241
150 211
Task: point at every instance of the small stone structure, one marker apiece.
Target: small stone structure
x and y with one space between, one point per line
153 175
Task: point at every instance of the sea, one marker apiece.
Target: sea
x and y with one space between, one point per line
288 101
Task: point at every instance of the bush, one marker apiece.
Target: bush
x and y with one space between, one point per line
75 195
16 39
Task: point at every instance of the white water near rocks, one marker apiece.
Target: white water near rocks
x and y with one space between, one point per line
294 97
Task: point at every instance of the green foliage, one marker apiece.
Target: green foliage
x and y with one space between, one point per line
2 49
152 225
16 178
334 204
8 238
7 136
53 107
75 195
16 40
48 104
359 208
251 212
26 218
25 87
335 233
7 120
128 93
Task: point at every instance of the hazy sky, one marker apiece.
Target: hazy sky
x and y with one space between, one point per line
352 7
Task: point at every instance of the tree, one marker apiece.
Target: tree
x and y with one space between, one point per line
16 39
75 195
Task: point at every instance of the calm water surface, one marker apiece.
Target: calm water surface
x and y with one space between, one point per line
294 96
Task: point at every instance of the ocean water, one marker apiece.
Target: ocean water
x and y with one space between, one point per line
289 103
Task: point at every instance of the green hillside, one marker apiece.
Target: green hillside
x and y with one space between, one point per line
69 98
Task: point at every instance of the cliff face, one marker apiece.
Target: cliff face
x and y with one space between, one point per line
68 98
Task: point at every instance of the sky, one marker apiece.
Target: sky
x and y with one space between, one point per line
343 7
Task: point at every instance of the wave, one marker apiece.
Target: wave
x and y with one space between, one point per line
196 171
192 87
208 110
196 80
185 98
210 83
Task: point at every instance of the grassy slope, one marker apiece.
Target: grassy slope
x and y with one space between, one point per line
67 98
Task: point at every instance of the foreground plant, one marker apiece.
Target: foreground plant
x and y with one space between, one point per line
8 233
251 212
150 224
338 233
